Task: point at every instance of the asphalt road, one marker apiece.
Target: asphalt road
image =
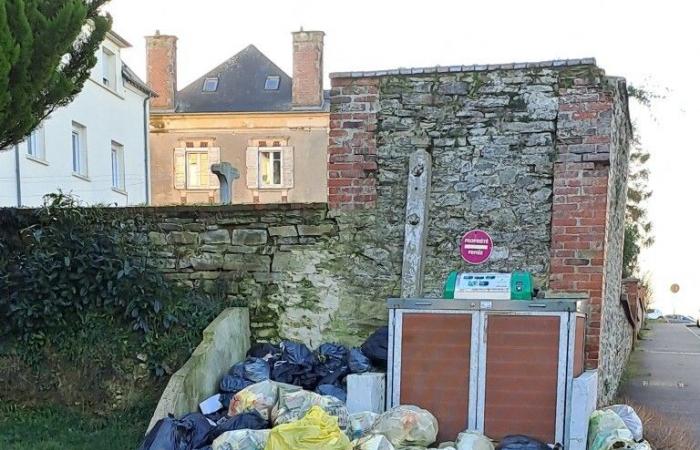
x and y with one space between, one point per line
665 372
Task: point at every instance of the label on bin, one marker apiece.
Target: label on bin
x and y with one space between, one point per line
476 247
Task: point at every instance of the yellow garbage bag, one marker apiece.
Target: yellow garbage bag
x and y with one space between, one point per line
315 431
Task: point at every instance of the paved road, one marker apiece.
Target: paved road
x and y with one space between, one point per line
666 372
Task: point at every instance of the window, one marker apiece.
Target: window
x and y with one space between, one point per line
193 166
272 83
118 173
210 84
109 68
36 144
79 144
197 170
270 168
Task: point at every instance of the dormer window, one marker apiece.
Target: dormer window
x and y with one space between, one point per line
210 85
109 68
272 83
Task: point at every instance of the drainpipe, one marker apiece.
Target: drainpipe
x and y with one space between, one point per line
18 177
146 148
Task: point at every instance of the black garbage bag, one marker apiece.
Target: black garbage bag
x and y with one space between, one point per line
357 361
298 354
256 370
520 442
265 350
334 391
245 421
233 384
286 372
225 399
187 433
332 364
376 347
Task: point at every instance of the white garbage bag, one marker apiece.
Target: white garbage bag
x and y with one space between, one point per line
376 442
260 397
607 431
241 440
631 419
293 406
406 426
360 424
473 440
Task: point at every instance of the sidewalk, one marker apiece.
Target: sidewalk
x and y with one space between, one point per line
665 373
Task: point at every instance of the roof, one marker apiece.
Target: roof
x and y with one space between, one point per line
117 39
241 87
473 68
134 80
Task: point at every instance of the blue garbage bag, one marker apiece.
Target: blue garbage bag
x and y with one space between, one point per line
296 366
169 433
233 384
358 362
520 442
297 354
334 391
245 421
332 364
256 370
376 347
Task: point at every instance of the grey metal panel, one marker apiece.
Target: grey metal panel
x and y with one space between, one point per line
549 305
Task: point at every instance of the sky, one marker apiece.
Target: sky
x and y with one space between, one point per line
652 44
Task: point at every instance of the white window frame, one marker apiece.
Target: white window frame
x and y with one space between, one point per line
79 150
276 151
188 183
36 144
109 69
118 169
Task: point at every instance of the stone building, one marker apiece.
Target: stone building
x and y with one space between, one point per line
271 127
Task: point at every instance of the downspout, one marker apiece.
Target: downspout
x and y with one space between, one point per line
146 156
18 177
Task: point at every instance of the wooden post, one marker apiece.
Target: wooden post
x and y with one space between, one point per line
416 232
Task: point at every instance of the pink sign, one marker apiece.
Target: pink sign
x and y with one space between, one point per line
476 247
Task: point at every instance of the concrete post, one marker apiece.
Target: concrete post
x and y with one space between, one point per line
227 174
416 231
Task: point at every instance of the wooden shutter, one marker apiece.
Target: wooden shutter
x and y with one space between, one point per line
180 167
251 163
288 167
214 158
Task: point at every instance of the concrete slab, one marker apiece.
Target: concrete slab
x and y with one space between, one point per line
366 392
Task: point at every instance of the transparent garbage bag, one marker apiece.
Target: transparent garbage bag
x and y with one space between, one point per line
241 440
407 426
293 405
261 397
607 431
317 430
473 440
360 424
631 419
376 442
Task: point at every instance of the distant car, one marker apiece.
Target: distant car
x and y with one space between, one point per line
654 314
679 318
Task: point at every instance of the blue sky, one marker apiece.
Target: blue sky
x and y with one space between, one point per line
650 43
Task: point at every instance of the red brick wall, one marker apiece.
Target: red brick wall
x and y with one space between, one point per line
161 59
307 79
580 199
352 151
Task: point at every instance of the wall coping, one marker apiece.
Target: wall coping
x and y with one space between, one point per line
473 68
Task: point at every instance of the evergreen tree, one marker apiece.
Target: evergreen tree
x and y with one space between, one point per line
47 50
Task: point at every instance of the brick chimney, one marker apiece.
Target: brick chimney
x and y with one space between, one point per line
161 61
307 84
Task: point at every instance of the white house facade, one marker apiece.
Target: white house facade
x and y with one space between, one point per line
95 148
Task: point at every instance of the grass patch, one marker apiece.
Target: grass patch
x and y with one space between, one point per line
664 432
61 428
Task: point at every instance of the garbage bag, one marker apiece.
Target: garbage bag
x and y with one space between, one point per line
292 406
246 421
315 431
260 397
297 354
607 430
233 383
333 391
296 366
407 425
265 351
376 347
631 420
520 442
332 364
473 440
358 362
644 445
177 434
242 440
359 424
256 370
376 442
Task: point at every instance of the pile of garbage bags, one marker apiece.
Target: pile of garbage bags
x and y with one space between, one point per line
616 427
322 371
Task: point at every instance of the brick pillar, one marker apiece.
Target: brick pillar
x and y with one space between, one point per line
352 150
579 210
161 61
307 78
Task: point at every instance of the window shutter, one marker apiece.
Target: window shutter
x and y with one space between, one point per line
180 166
288 167
214 158
251 163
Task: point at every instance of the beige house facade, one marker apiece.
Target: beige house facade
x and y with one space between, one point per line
246 112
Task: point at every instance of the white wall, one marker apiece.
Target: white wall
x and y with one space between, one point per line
108 116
